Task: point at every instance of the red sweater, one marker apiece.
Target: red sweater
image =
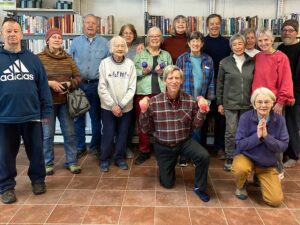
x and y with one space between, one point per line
273 71
175 45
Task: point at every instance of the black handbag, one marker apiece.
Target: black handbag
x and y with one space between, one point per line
77 102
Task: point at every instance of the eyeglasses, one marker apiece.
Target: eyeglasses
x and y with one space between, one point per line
288 30
267 102
154 36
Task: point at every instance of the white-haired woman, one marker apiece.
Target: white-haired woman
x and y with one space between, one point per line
234 91
260 135
150 64
116 89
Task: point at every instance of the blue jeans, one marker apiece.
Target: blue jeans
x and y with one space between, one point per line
114 126
91 92
60 111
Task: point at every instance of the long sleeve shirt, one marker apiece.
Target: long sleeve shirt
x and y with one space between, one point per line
273 71
60 68
170 123
117 84
261 152
88 54
143 86
207 66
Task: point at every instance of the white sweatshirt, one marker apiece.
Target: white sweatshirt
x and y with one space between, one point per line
117 84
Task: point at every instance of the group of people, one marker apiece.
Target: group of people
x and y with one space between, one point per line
170 88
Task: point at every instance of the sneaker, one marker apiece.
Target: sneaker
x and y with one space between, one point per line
75 169
183 163
141 158
122 164
290 163
8 196
129 153
81 153
281 176
104 166
241 193
49 170
202 195
228 164
38 188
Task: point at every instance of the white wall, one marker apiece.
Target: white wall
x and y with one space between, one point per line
124 11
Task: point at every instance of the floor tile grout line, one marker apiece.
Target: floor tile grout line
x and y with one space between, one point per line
217 196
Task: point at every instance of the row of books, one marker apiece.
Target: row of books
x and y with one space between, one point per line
37 45
69 24
229 26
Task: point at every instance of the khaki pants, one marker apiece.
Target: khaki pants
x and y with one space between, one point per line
268 177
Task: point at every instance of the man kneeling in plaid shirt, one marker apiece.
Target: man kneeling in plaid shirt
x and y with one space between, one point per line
171 117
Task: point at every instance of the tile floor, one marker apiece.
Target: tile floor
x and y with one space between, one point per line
135 197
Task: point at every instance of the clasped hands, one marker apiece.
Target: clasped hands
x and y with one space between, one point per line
262 131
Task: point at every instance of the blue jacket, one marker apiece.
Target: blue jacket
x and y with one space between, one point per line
207 66
261 152
24 92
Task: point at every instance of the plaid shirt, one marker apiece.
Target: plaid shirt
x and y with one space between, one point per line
170 123
207 66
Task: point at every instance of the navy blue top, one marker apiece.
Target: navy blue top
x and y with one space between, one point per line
217 48
24 91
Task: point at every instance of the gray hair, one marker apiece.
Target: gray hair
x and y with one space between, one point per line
154 29
248 31
178 17
170 69
114 40
265 31
264 91
90 15
237 37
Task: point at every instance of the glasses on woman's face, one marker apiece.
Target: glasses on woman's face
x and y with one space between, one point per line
266 102
154 36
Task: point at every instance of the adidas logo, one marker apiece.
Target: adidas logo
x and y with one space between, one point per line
17 71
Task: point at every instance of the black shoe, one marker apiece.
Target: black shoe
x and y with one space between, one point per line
39 188
9 196
228 164
141 158
81 153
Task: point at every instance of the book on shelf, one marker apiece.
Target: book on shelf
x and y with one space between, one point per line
37 45
105 25
69 23
232 25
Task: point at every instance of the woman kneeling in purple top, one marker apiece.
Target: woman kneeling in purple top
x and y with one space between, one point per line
260 135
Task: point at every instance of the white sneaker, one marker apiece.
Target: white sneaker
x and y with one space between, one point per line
129 153
241 193
281 176
290 163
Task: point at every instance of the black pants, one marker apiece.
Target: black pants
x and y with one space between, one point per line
10 138
219 128
167 157
292 115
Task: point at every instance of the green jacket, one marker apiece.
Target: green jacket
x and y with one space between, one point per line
144 81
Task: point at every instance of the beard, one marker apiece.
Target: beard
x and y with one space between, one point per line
287 41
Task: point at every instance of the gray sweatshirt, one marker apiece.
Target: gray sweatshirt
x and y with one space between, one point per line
117 84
